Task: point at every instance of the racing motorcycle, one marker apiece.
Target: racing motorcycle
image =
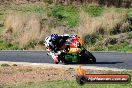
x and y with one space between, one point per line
72 51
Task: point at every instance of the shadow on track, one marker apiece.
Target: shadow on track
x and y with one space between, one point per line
98 63
108 62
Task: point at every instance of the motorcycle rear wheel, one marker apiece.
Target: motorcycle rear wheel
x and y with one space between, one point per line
88 57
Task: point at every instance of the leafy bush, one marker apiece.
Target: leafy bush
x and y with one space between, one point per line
91 39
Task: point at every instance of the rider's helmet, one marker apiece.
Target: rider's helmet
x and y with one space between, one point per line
54 37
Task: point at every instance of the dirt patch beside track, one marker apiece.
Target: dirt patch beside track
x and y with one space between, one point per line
10 75
27 74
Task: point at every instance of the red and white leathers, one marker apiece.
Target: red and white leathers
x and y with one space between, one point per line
54 56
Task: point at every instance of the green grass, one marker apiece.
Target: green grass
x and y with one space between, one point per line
129 12
5 65
73 84
112 48
65 14
25 70
7 46
120 48
119 10
13 71
1 30
32 8
127 48
94 11
7 72
68 84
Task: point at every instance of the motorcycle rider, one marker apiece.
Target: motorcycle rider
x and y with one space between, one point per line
55 42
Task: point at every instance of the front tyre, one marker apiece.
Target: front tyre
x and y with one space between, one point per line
63 59
56 62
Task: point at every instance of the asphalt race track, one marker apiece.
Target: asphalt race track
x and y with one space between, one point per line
111 60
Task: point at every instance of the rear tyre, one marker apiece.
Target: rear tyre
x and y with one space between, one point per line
89 57
92 59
